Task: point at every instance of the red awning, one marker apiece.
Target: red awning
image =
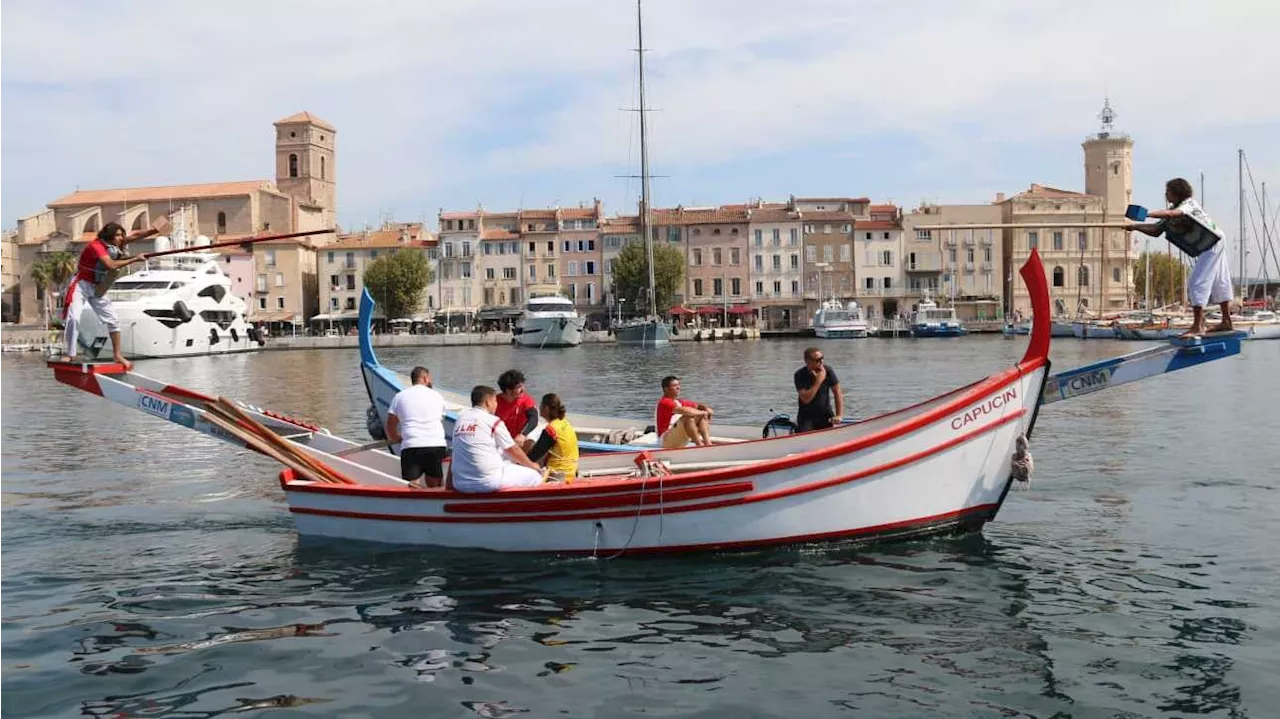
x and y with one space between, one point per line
681 310
710 310
741 310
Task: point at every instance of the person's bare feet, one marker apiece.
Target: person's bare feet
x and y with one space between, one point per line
1195 331
1221 327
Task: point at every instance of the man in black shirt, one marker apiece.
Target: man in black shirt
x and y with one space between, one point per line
815 383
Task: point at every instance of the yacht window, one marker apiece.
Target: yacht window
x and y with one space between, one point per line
152 285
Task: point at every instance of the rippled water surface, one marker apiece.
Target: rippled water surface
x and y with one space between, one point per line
152 572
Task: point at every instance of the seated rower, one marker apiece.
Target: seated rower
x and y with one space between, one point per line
485 457
515 406
557 448
679 421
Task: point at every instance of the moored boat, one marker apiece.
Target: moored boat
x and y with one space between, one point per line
930 320
549 321
836 321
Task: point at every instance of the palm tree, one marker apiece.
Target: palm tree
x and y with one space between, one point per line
42 275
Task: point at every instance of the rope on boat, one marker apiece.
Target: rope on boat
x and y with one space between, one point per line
647 468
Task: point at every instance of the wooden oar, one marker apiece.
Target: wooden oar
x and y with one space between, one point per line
257 443
229 410
363 448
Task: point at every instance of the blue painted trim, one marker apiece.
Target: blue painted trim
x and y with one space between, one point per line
365 325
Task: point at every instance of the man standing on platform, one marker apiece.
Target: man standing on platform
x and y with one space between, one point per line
815 383
415 421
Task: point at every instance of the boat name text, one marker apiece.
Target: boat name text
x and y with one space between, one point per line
153 405
986 408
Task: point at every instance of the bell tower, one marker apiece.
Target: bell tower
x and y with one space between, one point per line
1108 164
305 167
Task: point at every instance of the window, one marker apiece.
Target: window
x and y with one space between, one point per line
795 236
888 283
533 272
333 303
811 253
759 237
777 287
777 263
886 258
1082 239
886 235
1115 274
759 263
333 281
322 168
328 257
697 256
846 253
986 254
448 250
488 295
735 256
465 270
568 246
697 287
446 272
533 247
870 283
488 249
828 253
261 285
551 272
350 260
716 256
951 255
795 287
924 235
590 268
373 254
968 255
280 303
826 229
262 303
271 258
489 274
572 269
466 249
351 282
222 223
279 279
293 165
1082 276
795 261
591 293
759 288
1057 240
777 237
1033 240
718 285
508 273
591 247
735 286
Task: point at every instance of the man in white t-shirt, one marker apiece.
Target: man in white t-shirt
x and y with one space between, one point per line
485 457
415 421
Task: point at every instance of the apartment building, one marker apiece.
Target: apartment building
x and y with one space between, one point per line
582 256
456 288
828 232
964 268
714 242
341 267
878 262
775 234
616 233
498 265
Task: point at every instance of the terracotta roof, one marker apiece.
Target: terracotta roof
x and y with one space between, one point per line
1044 191
578 213
773 214
499 233
874 209
305 116
699 216
472 215
815 215
162 193
876 225
620 224
538 214
378 239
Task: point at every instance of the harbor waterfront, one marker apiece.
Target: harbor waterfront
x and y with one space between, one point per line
153 572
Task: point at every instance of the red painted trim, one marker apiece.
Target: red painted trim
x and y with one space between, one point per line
919 525
751 499
1032 272
82 377
649 496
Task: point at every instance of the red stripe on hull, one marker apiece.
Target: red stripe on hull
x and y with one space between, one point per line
636 512
185 393
649 496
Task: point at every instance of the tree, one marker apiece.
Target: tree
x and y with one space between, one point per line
1167 276
631 276
42 275
398 280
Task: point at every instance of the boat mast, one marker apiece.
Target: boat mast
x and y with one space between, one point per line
1240 185
645 218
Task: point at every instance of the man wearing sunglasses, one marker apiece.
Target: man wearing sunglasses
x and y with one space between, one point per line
815 383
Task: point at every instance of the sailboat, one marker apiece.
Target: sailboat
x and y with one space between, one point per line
650 331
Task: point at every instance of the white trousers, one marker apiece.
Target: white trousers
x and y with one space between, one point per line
513 476
84 294
1210 281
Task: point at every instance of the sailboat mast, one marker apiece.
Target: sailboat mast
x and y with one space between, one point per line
1240 171
645 217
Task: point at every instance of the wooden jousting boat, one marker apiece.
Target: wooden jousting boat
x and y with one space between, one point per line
940 466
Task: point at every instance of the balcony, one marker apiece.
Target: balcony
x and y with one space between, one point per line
985 241
968 267
924 262
950 242
986 268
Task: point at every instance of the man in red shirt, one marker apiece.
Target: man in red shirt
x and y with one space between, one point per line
516 408
96 259
693 421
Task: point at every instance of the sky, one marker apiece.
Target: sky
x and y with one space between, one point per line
511 104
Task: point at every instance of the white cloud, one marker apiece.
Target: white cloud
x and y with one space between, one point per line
430 96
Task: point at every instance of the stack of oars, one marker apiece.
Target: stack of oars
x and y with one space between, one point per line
253 433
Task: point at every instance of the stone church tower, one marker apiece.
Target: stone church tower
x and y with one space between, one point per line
305 167
1108 166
